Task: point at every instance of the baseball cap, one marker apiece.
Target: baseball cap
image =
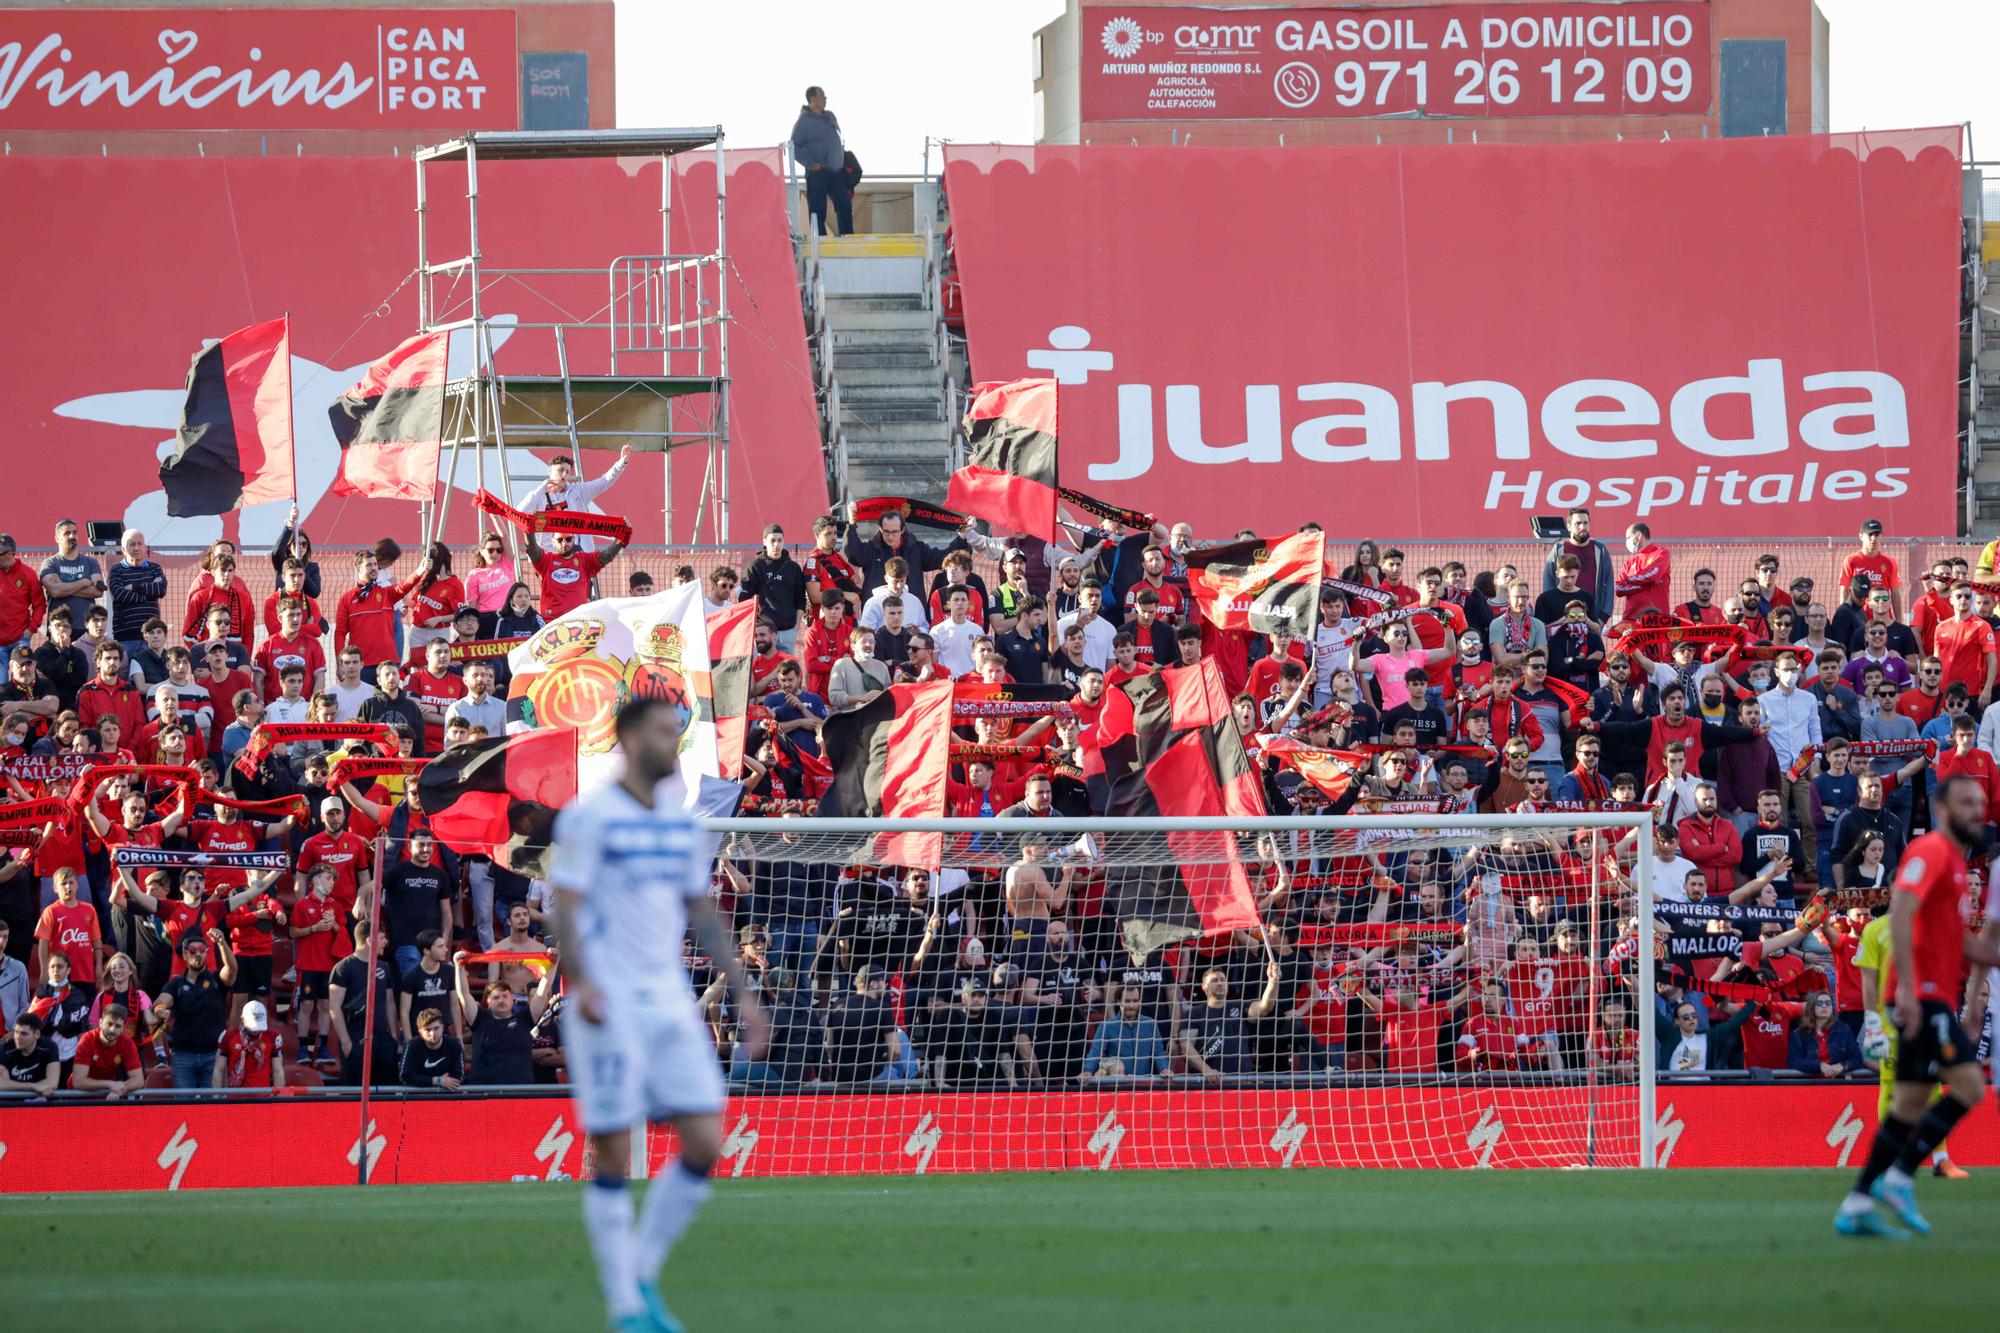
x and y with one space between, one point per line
466 610
332 803
6 541
973 984
1801 582
1872 527
255 1019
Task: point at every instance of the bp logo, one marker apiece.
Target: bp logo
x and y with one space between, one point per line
1123 37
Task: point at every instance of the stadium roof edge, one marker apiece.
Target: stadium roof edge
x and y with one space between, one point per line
493 145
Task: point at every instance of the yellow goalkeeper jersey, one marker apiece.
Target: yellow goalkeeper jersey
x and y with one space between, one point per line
1874 953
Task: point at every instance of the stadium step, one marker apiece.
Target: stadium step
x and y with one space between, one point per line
878 411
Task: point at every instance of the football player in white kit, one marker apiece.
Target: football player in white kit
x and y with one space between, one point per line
631 874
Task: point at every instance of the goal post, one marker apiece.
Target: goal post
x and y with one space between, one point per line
1403 987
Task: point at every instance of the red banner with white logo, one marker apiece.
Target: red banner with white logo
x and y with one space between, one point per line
1494 60
299 1140
137 262
258 69
1437 342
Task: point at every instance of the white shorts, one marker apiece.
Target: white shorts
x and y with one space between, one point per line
640 1066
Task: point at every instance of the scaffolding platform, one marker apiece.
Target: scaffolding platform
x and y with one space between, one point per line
663 331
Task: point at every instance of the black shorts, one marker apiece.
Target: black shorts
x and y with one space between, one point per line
1939 1045
253 976
313 985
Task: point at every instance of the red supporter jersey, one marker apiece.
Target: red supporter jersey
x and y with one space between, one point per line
276 653
1934 870
1410 1037
830 571
1173 602
1614 1047
212 835
1491 1041
72 932
1963 647
271 622
565 579
432 607
1846 976
114 1061
1328 1020
178 917
315 951
1767 1037
252 925
247 1057
1879 569
434 692
1537 997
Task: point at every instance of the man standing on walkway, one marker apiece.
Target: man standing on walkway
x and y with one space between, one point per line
817 147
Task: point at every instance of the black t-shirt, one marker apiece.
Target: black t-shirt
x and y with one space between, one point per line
427 991
1220 1034
28 1066
351 974
410 900
880 928
972 1046
795 1040
69 1019
790 893
423 1065
500 1048
201 1007
1026 657
1156 984
1433 727
856 1033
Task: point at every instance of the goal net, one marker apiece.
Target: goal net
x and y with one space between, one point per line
1385 989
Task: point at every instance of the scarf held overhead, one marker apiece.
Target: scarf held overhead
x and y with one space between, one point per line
556 520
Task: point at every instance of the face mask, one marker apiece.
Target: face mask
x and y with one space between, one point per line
1787 677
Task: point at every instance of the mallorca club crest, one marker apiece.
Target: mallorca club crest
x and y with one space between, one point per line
583 684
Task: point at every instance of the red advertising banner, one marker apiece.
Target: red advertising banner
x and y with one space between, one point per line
1719 337
124 267
310 1141
258 69
1563 59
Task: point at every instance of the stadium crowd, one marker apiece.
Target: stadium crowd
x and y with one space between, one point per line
1784 760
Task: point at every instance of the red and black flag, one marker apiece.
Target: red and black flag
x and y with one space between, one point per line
1010 473
499 796
732 641
390 425
1331 772
890 759
1259 583
234 447
1170 747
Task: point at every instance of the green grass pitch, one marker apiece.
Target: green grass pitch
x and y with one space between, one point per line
1214 1250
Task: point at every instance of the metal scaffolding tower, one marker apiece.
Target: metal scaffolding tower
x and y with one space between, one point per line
663 333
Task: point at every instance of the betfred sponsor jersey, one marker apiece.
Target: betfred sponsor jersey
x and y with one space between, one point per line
212 835
565 580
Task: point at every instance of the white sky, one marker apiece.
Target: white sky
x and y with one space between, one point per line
897 70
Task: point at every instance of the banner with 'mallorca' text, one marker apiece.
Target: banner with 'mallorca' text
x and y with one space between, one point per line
1716 337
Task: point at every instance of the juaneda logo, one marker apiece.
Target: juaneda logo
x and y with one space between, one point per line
1832 412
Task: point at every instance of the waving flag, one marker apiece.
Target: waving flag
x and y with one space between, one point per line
1010 473
234 446
1170 747
1259 583
890 759
391 424
498 796
1332 772
577 670
732 642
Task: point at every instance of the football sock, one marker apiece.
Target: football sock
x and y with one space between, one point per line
1890 1140
672 1200
607 1216
1930 1131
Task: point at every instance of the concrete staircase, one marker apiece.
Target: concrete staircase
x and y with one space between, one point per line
892 393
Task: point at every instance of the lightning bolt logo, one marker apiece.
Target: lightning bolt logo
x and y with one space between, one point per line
1486 1135
1289 1137
923 1141
1668 1135
176 1155
554 1148
1846 1132
1104 1140
374 1144
742 1141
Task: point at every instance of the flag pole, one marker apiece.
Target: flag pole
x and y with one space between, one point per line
361 1163
291 419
